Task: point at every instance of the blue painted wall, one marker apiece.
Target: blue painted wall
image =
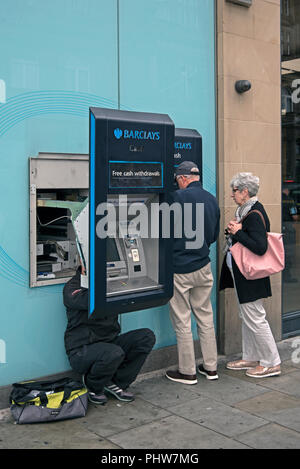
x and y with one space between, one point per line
57 59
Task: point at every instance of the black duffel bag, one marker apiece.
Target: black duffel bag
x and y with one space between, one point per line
48 401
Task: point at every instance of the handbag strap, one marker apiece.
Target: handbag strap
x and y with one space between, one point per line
261 216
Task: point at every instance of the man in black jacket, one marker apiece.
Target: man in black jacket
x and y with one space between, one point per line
193 279
109 361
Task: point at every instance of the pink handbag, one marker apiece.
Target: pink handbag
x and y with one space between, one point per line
253 266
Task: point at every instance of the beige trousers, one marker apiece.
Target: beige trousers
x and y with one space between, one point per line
192 294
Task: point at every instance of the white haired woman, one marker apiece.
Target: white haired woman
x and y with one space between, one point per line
260 354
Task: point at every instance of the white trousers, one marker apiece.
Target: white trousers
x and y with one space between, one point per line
192 293
257 339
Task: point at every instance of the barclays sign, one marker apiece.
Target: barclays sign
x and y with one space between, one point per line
182 146
136 134
118 133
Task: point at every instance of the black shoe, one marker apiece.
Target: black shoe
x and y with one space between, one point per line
119 393
99 399
211 375
180 378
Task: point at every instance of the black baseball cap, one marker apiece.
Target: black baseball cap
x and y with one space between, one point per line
187 167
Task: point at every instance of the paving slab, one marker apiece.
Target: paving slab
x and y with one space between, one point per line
271 436
269 402
115 416
227 389
293 364
173 433
287 348
164 393
59 435
289 418
287 383
275 407
217 416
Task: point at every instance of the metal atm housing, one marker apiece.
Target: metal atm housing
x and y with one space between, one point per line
131 168
188 147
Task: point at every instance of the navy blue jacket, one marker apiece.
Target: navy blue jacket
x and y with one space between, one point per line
189 260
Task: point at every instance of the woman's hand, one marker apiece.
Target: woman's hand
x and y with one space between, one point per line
233 227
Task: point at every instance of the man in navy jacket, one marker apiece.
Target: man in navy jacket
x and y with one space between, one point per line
193 279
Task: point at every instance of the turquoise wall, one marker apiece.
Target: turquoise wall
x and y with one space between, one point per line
58 58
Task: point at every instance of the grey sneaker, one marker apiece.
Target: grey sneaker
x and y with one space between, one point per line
99 399
118 393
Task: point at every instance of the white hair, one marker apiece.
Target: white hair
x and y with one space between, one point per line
194 177
245 181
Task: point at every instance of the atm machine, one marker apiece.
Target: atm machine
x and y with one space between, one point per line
127 261
187 147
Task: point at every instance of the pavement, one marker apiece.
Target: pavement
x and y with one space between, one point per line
235 412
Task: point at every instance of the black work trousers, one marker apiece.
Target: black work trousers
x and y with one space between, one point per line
117 362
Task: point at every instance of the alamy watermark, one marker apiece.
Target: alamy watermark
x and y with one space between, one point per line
296 93
2 351
296 352
2 91
137 218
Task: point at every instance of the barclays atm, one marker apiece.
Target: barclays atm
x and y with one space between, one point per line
188 147
131 175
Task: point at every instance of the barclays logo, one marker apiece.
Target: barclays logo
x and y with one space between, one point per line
118 133
137 134
182 146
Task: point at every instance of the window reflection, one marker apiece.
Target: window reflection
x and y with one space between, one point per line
290 109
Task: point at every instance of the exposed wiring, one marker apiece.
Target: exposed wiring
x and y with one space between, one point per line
52 221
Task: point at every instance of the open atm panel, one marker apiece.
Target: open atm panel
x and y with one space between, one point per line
58 188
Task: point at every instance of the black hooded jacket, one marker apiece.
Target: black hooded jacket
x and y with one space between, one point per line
80 329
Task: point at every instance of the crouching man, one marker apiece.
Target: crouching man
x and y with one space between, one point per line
107 360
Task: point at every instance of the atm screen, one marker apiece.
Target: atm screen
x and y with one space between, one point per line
112 254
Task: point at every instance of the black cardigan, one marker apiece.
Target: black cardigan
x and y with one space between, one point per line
252 235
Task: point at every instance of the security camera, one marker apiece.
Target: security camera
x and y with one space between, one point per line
242 86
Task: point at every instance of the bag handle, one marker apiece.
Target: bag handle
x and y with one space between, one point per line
43 385
41 395
261 216
67 392
21 390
